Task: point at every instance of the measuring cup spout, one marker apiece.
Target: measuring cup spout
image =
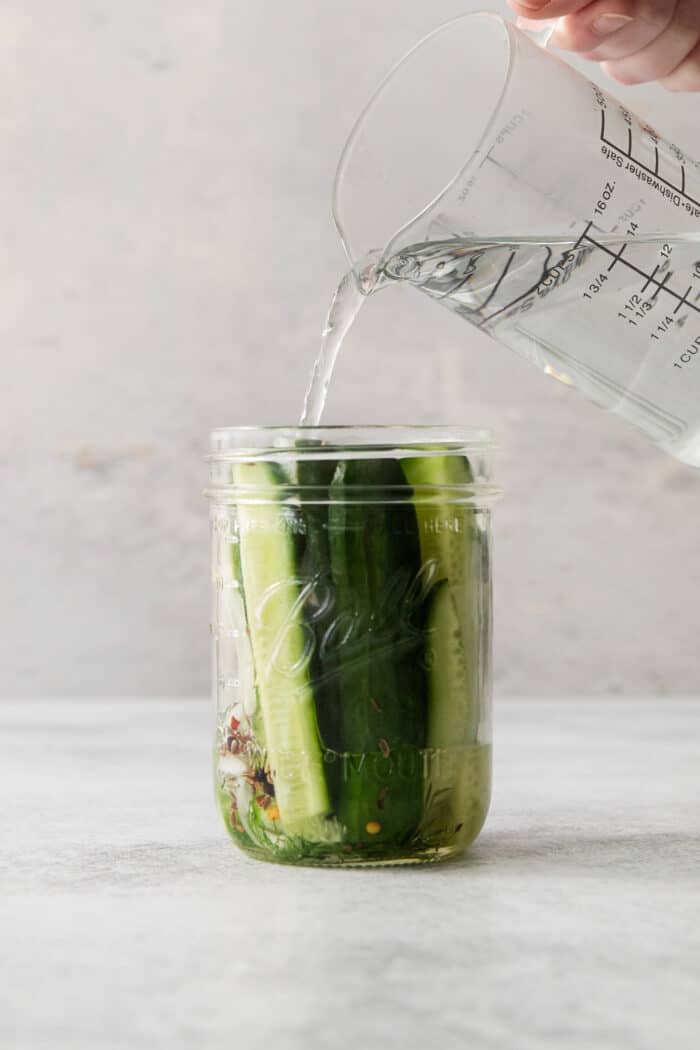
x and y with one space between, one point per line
419 130
540 30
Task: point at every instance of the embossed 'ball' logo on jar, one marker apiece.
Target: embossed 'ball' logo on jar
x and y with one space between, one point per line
308 607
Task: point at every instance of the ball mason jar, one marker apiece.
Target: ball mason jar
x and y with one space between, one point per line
351 626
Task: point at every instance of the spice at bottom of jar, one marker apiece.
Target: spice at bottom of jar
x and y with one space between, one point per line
452 789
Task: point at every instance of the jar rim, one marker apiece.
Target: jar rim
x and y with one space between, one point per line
246 442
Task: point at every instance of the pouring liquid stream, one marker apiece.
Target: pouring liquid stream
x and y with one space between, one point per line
344 308
616 317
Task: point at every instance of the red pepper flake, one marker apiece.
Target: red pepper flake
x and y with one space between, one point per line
235 822
384 747
234 723
375 704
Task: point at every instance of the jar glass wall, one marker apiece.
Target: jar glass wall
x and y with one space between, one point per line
351 625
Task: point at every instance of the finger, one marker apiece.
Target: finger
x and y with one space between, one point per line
545 8
664 54
686 76
610 29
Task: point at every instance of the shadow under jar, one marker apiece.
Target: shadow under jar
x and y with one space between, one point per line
351 625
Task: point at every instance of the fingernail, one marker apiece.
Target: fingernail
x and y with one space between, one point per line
532 5
604 25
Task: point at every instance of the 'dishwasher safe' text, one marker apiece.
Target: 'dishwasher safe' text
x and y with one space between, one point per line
668 192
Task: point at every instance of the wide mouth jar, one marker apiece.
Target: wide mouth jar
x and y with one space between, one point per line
351 627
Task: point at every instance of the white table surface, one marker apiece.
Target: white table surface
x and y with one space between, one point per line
128 919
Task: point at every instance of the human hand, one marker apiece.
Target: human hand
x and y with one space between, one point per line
635 40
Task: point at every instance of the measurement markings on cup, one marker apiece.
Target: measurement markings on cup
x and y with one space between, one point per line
645 167
649 278
587 244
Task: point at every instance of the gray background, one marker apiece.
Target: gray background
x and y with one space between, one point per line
167 255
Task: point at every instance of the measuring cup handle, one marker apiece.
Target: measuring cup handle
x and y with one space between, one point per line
540 30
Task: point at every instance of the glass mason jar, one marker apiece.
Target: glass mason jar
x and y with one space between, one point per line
351 625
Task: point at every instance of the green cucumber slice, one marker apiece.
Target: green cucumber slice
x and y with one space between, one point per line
315 477
379 631
281 646
447 543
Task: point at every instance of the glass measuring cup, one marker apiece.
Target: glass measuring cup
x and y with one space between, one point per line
496 179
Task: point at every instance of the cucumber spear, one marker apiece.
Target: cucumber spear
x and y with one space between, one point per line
280 644
447 543
375 559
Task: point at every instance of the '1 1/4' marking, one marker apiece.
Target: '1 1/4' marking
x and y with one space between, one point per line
662 327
